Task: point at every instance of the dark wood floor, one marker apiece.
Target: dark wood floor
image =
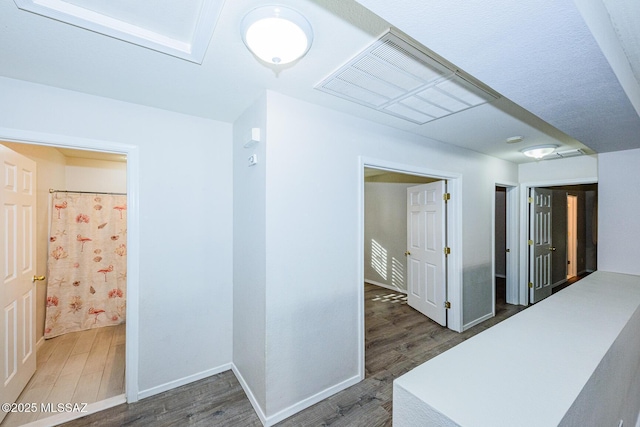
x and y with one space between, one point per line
397 339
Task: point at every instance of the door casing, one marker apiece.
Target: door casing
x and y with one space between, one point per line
454 239
523 289
512 224
572 240
133 233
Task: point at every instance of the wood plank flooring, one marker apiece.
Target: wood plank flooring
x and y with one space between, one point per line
397 339
79 367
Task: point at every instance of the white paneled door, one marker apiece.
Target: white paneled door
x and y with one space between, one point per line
17 270
426 241
540 244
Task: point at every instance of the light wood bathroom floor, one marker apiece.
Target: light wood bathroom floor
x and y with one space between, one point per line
79 367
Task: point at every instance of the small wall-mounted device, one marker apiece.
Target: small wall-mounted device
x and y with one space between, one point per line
254 138
253 160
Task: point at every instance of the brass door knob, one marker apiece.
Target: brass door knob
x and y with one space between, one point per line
38 278
407 253
552 249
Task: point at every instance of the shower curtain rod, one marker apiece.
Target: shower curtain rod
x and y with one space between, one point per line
51 190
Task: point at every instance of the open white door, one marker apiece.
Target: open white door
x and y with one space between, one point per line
540 244
426 241
17 270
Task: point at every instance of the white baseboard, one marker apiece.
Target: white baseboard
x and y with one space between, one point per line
252 399
477 321
312 400
183 381
39 343
383 285
91 408
271 420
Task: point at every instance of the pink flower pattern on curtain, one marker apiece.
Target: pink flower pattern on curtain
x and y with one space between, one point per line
87 264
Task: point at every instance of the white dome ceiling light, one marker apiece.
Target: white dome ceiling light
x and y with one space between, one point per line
539 151
276 34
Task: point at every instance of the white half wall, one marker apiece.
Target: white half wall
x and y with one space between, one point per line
312 239
618 207
576 352
185 227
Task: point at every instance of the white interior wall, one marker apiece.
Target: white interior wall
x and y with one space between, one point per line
249 258
618 207
185 206
95 175
570 170
312 239
385 234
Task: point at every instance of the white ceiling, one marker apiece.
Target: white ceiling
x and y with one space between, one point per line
540 54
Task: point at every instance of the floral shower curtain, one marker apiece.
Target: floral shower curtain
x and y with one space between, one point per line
87 264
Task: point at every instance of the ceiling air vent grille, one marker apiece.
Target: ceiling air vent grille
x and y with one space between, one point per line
397 78
564 154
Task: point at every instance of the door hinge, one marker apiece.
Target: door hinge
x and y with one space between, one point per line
530 242
530 199
447 305
530 285
447 250
446 196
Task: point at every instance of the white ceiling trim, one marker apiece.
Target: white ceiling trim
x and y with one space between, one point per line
193 51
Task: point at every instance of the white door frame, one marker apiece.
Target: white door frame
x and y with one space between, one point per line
572 244
133 233
512 228
523 288
454 240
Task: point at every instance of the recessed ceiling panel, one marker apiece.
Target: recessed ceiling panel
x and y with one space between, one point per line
425 106
407 113
406 58
176 20
467 93
385 71
371 83
397 78
182 29
352 91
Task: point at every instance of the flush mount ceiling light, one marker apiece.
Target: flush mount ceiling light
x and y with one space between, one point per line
514 139
539 151
276 34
